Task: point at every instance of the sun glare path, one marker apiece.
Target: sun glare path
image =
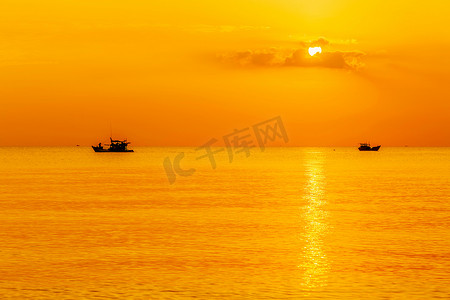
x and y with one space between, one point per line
314 50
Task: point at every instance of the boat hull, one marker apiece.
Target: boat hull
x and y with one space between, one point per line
362 148
100 149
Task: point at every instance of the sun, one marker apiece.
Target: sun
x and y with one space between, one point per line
314 50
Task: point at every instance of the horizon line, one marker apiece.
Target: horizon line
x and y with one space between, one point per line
196 146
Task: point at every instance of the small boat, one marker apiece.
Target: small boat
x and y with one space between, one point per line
366 147
115 146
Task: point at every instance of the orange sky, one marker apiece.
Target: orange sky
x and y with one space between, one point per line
182 72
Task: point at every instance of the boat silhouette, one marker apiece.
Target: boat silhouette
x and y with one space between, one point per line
366 147
114 146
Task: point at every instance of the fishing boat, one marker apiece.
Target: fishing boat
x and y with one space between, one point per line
366 147
114 146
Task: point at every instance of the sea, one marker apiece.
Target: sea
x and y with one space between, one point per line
179 223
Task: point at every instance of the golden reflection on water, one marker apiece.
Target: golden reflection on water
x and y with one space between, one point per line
79 225
314 260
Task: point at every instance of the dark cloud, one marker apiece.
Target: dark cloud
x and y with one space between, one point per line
321 42
266 57
326 59
298 57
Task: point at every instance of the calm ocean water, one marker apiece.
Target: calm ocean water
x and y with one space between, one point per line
287 223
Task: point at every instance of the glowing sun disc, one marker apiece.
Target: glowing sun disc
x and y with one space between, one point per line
314 50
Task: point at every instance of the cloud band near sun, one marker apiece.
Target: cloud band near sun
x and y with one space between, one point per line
299 57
